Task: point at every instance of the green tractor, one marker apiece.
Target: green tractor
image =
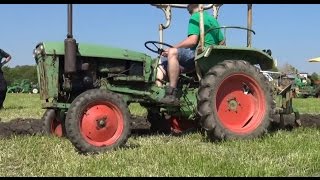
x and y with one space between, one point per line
34 89
14 88
87 88
23 86
305 87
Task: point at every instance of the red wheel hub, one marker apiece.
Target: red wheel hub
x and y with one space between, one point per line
240 103
102 124
178 125
56 128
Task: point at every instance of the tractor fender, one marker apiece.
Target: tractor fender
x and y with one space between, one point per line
213 55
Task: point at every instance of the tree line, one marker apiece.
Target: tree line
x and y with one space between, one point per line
289 69
29 72
18 73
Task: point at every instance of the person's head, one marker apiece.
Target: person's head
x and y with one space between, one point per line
192 8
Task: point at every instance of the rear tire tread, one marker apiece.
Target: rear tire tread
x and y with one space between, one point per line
208 87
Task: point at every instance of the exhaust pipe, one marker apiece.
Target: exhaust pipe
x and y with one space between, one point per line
70 47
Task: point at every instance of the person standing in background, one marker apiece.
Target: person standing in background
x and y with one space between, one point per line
4 59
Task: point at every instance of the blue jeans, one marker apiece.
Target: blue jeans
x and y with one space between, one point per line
185 58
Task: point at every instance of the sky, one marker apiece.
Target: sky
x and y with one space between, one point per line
291 31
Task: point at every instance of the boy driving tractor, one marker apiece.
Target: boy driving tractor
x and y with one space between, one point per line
180 58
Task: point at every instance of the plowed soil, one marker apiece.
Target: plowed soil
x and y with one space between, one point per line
20 126
307 120
139 125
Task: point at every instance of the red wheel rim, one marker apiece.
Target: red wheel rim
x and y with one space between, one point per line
56 128
240 103
102 124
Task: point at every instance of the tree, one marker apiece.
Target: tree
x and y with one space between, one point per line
288 69
314 77
275 69
19 73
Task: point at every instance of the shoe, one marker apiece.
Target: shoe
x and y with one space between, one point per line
171 97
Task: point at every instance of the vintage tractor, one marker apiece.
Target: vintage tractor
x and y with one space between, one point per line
305 86
87 88
34 88
316 85
23 86
14 88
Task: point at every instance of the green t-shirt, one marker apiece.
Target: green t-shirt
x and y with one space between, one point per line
213 37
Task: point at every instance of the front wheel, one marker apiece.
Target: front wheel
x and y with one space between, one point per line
97 121
52 123
235 101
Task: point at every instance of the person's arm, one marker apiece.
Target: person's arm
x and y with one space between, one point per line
193 36
6 56
222 40
189 42
222 43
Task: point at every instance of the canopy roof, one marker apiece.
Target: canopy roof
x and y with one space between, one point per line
315 60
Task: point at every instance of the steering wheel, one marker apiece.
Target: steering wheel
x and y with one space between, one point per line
159 50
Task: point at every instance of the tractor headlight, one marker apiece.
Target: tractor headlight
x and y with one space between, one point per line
38 50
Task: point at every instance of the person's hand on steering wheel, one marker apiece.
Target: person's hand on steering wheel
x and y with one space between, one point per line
165 52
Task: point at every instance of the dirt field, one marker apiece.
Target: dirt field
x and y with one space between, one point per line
140 125
20 126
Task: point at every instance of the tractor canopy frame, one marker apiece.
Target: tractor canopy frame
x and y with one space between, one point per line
286 94
166 8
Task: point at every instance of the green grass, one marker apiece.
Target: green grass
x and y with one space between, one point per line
279 154
21 106
307 105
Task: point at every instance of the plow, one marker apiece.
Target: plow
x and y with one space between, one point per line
86 90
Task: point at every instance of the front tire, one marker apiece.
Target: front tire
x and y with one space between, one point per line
53 123
98 121
235 101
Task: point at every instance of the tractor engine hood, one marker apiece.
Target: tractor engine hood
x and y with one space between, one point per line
90 50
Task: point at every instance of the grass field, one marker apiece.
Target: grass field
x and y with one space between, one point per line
283 153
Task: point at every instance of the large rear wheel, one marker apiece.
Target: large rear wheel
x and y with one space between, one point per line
235 101
98 121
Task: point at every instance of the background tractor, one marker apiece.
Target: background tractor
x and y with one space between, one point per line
315 90
87 88
303 84
14 88
23 86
